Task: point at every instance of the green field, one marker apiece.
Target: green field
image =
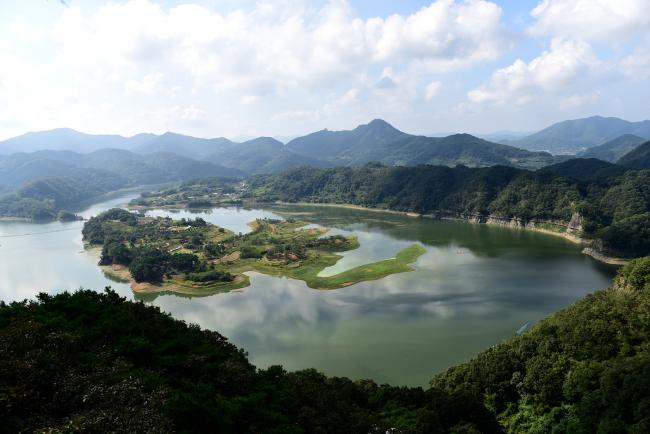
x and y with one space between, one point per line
308 271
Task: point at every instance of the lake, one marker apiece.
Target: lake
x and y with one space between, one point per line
475 286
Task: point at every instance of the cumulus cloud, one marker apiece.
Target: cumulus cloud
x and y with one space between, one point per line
276 45
603 20
567 65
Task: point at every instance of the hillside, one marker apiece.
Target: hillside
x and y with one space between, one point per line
65 139
584 369
375 141
261 155
69 140
614 209
379 141
94 362
584 169
77 177
188 146
572 136
45 198
639 158
614 149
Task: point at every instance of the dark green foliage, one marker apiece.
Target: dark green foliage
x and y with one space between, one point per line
211 276
91 362
251 252
98 229
584 369
115 253
149 265
612 203
184 262
584 169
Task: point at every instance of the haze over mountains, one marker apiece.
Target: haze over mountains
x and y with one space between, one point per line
573 136
375 141
151 158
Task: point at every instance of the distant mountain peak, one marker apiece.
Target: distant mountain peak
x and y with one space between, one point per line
377 124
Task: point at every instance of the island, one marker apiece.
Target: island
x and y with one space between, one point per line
196 258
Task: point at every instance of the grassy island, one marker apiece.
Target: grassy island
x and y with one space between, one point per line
193 257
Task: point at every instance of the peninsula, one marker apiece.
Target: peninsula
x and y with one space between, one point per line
196 258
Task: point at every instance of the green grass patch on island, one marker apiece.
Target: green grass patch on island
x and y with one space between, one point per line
196 258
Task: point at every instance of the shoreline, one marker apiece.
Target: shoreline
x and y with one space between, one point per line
589 251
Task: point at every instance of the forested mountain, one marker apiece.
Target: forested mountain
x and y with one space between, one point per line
69 140
638 158
156 168
94 362
572 136
379 141
261 155
614 149
44 182
613 209
188 146
45 198
376 141
584 169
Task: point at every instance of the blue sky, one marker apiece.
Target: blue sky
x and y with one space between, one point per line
286 67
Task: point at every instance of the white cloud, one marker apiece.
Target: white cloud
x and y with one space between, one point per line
566 66
637 64
275 45
577 100
432 90
149 85
602 20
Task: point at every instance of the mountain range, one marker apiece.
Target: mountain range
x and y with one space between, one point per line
151 159
126 168
376 141
573 136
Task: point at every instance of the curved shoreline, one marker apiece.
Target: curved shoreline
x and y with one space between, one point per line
476 219
589 251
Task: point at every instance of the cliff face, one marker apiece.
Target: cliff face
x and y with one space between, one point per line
573 227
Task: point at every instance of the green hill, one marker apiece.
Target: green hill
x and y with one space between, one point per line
613 207
572 136
70 177
613 149
379 141
261 155
584 169
639 158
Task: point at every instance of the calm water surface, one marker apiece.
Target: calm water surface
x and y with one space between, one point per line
475 286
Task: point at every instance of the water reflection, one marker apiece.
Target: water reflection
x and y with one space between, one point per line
475 286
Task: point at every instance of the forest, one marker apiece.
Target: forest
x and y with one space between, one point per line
612 204
95 362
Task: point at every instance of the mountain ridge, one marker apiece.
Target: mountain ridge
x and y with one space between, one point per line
575 135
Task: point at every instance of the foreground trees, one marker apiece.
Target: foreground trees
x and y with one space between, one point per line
94 362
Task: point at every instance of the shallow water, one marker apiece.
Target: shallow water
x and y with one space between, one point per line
475 286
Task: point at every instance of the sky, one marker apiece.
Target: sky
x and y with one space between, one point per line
241 68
